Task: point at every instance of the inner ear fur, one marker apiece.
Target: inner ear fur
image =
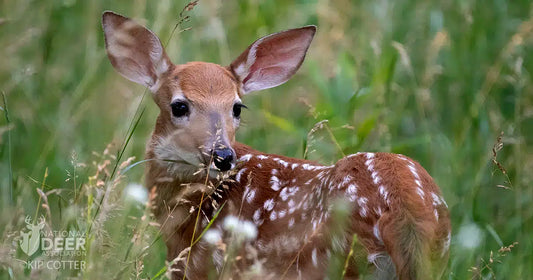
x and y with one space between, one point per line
273 59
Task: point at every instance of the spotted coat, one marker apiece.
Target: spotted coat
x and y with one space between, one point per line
293 202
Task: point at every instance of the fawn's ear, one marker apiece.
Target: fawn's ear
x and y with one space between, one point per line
134 51
273 59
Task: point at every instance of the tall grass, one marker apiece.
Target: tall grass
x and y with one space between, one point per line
438 81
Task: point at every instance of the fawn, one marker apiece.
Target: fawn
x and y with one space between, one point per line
195 165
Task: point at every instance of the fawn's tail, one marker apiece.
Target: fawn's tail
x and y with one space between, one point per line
407 238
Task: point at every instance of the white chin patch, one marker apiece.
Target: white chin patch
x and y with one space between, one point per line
174 160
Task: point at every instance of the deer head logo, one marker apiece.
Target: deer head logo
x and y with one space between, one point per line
30 239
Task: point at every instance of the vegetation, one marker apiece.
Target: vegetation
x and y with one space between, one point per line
447 83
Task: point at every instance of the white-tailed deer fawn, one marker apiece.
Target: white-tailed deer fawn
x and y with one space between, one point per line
395 208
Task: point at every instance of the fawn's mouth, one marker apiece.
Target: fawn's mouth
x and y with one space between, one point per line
199 165
210 166
177 160
214 167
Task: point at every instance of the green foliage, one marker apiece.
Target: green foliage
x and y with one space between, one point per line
435 80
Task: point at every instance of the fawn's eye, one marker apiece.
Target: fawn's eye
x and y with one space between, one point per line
237 110
179 109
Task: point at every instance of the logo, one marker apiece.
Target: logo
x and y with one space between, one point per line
60 249
31 239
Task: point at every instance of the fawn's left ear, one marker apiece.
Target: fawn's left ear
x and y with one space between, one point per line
273 59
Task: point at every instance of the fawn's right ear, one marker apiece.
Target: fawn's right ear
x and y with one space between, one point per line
134 51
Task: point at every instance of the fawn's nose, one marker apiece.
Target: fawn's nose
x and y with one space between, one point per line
223 159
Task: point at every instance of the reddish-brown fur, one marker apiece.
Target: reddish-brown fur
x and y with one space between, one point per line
394 206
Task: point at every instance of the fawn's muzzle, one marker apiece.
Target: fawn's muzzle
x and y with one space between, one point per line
223 159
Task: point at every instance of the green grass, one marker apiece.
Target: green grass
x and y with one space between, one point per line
435 80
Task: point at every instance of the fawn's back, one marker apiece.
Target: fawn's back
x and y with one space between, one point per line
296 216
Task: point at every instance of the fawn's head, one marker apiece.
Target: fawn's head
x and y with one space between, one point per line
200 103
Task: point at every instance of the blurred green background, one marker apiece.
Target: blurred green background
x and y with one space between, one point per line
438 81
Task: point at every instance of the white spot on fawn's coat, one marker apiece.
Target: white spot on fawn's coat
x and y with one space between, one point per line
246 157
420 192
375 177
314 257
269 204
282 162
351 191
291 222
239 174
274 183
250 196
362 204
376 233
257 217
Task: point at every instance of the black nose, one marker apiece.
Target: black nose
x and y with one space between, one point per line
223 159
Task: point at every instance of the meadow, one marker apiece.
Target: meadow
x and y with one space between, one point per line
448 83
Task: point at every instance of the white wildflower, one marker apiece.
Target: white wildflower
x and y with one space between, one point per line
470 236
241 228
249 230
136 192
213 236
231 223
